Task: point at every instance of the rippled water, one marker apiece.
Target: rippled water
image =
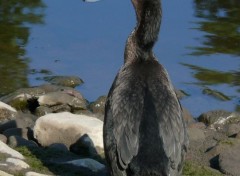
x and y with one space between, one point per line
199 45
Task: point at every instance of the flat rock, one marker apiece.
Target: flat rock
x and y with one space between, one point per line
229 160
59 98
4 148
67 128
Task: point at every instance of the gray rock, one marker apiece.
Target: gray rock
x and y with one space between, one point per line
3 138
59 98
22 132
61 108
187 116
196 134
21 121
213 116
238 136
68 81
98 107
17 141
30 173
6 112
4 148
67 128
42 110
232 129
229 160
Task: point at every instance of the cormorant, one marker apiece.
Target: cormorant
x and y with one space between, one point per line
144 131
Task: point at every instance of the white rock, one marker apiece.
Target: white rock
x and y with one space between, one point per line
67 128
18 163
4 173
87 163
7 150
6 106
35 174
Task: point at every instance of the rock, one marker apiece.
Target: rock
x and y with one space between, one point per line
68 81
213 116
232 129
6 112
59 98
67 128
42 110
35 174
3 138
187 116
5 174
195 134
229 160
180 93
238 136
7 150
17 141
59 147
21 121
17 163
22 132
84 147
199 125
87 163
216 94
98 107
61 108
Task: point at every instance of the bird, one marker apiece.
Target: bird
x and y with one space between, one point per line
144 132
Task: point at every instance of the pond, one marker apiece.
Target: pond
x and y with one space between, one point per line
199 45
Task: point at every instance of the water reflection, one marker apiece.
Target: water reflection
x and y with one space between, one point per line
220 20
14 35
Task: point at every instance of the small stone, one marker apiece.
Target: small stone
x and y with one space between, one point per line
3 138
17 163
4 148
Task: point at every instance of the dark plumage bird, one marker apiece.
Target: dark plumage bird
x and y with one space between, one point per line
144 131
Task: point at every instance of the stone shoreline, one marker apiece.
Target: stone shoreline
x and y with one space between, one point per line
52 130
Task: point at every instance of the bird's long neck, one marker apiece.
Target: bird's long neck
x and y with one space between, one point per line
145 34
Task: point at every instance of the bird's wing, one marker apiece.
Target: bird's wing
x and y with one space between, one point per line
169 117
125 106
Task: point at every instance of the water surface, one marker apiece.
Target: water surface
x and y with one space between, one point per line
199 45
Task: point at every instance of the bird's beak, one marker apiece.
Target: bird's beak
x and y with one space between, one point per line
91 0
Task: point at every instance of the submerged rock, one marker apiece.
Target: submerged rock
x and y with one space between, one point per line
68 81
216 94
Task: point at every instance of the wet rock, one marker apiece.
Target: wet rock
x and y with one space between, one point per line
17 141
216 94
229 160
7 150
180 93
67 128
17 163
87 163
196 134
6 112
59 98
68 81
